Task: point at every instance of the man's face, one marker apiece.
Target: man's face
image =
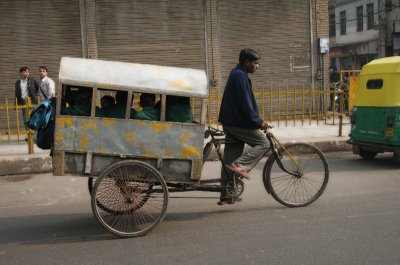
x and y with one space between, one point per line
251 66
24 74
42 73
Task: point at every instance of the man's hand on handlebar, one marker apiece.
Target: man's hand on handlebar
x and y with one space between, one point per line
265 125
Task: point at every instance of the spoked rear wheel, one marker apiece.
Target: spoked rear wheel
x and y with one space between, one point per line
306 177
129 198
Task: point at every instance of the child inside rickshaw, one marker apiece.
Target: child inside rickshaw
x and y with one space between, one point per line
77 102
118 110
178 109
149 111
107 102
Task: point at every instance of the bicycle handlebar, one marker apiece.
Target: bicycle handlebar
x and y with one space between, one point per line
213 131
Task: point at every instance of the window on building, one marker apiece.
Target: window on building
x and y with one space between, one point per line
370 16
360 18
343 23
332 25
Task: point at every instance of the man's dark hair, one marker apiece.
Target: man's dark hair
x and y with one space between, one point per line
23 69
248 54
43 67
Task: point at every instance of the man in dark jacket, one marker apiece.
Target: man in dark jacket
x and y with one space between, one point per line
25 87
241 120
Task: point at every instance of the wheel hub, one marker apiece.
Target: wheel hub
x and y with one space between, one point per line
129 200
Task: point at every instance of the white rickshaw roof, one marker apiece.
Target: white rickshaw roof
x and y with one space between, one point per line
138 77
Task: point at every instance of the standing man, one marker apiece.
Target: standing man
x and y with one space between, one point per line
241 121
25 87
334 79
47 88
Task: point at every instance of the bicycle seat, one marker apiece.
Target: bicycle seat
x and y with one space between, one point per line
213 132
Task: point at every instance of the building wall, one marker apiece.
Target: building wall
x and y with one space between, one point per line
352 36
35 33
354 49
203 34
393 29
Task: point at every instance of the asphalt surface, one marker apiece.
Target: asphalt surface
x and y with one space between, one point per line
15 159
48 220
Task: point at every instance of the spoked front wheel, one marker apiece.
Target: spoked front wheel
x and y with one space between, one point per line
129 198
298 176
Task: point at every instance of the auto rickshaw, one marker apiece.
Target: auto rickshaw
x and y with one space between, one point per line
375 120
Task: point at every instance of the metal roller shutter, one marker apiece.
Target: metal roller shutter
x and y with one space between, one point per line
35 33
159 32
279 30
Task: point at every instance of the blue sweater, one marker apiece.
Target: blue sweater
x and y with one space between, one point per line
238 106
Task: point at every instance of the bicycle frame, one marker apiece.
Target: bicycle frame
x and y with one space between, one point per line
275 147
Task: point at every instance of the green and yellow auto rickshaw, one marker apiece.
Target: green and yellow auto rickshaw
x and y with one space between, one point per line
375 121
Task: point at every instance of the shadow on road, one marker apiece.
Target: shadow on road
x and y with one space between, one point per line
71 228
51 229
355 163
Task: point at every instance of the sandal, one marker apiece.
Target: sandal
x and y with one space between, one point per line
238 170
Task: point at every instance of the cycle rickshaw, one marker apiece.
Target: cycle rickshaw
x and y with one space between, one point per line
133 165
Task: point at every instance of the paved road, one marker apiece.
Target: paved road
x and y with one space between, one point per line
48 220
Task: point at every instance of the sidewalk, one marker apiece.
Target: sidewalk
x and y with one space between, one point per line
14 157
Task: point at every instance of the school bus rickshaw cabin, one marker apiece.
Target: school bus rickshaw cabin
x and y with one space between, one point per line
376 113
87 141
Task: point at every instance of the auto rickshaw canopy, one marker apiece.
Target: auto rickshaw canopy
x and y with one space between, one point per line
379 84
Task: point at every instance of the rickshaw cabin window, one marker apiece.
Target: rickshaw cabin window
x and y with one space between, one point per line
76 100
375 84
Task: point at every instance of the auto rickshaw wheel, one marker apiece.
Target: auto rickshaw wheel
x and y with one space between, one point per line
129 198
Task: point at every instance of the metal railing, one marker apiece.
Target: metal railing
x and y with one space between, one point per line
296 105
11 113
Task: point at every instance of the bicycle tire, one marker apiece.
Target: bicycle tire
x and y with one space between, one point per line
91 181
129 198
206 151
300 190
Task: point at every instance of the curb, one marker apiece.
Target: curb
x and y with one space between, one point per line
19 166
43 163
332 146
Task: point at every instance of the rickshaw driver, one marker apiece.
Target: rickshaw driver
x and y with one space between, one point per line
241 120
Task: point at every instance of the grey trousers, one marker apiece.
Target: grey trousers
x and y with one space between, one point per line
253 137
233 151
24 117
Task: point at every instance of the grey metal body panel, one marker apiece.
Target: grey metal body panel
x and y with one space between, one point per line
108 141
